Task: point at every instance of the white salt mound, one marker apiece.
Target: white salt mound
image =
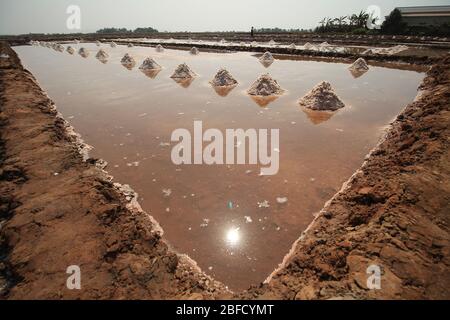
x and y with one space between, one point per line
183 72
159 48
308 46
194 51
149 64
223 78
267 56
271 42
265 85
321 97
127 60
292 46
113 44
83 52
59 47
102 55
70 50
98 43
359 65
130 45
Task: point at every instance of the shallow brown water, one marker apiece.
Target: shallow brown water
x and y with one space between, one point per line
129 117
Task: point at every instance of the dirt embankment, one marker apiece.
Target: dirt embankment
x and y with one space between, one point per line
58 210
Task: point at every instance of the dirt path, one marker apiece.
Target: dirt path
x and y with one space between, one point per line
57 210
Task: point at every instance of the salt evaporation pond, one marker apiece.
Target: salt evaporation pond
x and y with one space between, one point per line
218 214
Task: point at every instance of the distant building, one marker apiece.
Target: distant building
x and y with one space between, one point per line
425 15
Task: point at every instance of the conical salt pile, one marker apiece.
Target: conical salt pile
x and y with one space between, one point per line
359 65
183 72
127 60
308 46
70 50
159 48
59 47
130 45
271 42
113 44
149 64
265 86
266 59
321 97
194 51
83 52
102 55
98 43
223 78
292 46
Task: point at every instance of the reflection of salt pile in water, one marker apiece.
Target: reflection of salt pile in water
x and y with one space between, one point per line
70 50
83 52
265 85
183 72
102 55
223 78
128 61
317 117
130 45
149 64
321 97
194 51
223 82
266 59
159 48
113 44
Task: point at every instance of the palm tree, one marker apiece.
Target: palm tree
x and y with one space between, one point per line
362 19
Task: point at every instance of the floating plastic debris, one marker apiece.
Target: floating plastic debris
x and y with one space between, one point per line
248 219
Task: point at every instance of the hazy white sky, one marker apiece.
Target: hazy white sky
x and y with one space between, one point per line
49 16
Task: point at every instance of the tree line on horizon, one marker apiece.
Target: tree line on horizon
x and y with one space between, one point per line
125 30
393 24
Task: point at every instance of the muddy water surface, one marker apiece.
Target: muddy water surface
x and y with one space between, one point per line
212 212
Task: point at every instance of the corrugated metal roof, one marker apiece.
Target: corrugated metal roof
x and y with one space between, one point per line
424 9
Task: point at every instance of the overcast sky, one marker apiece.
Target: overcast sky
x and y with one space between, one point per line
49 16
